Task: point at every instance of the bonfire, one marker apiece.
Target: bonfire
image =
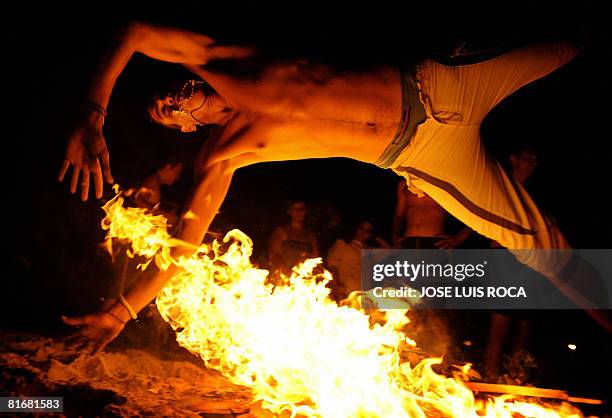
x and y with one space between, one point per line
298 351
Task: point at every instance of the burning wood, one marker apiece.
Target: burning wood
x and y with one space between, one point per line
530 391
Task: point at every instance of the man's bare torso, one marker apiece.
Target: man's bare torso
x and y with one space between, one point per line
294 111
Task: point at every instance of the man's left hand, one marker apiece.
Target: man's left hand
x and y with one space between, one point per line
96 329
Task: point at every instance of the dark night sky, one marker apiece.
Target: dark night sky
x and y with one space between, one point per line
52 52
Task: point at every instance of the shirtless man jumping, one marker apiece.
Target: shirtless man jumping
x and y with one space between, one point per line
424 125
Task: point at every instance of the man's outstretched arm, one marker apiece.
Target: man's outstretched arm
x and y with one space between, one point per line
160 43
202 207
214 181
86 151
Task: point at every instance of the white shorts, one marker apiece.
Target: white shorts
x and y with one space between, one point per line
447 160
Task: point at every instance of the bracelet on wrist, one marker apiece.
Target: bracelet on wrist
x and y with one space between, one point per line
127 307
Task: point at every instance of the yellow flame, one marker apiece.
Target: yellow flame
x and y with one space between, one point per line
299 352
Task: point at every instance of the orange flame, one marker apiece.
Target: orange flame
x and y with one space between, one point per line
299 352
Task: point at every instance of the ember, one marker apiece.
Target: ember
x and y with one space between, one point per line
298 351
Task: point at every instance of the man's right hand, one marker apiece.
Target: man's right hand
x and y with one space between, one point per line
86 152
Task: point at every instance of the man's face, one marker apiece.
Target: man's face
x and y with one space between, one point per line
183 108
297 211
524 164
170 174
364 231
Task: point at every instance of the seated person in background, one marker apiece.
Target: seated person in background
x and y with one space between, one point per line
344 260
149 194
423 222
291 244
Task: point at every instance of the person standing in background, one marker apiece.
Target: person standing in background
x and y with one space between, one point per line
149 194
292 243
344 260
523 163
422 220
